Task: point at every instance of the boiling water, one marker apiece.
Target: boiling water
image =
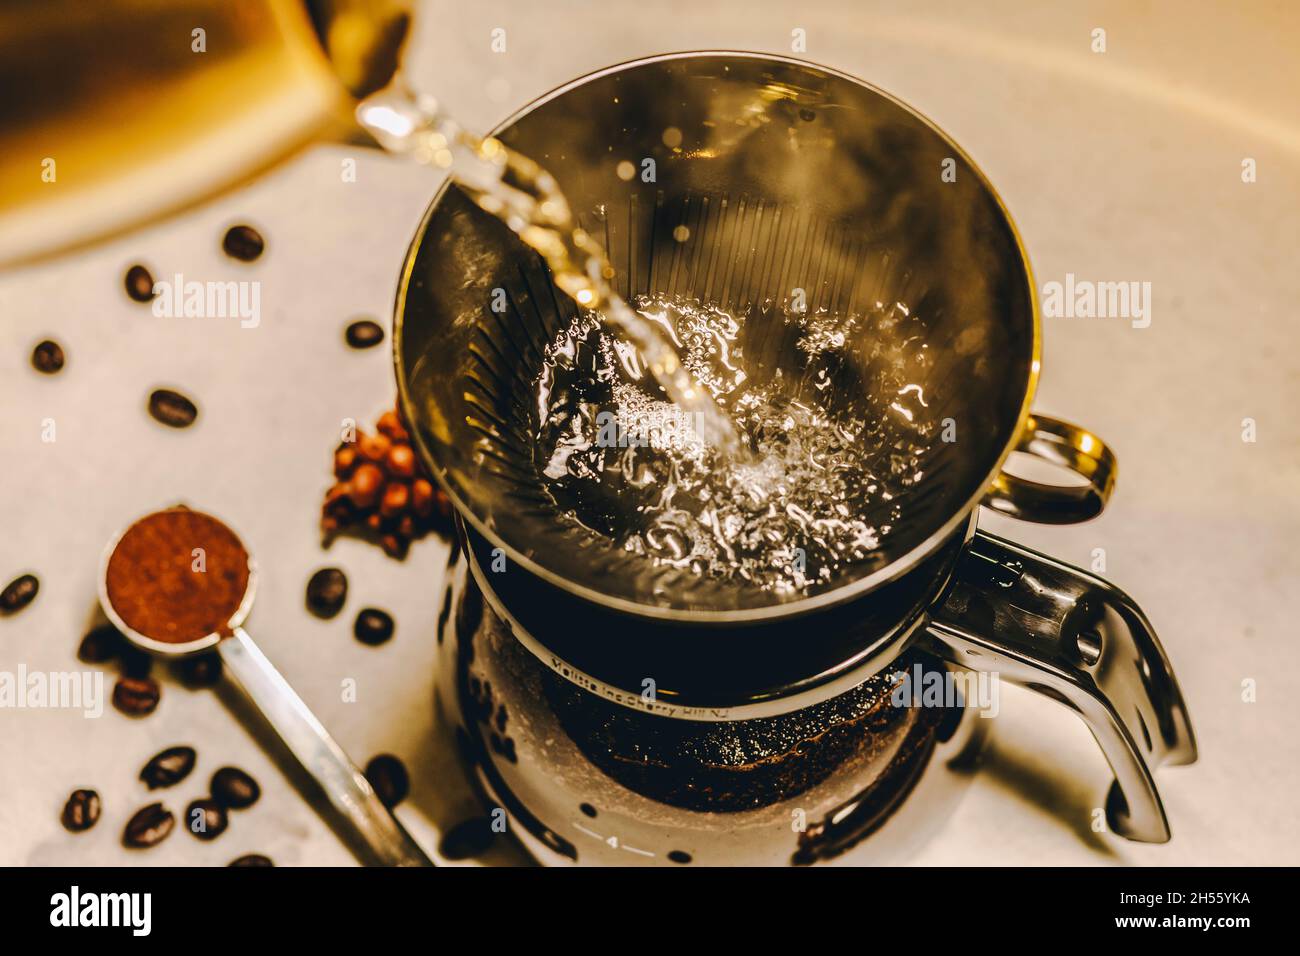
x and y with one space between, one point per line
831 453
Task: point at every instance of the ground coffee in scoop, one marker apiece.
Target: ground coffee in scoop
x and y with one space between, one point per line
177 576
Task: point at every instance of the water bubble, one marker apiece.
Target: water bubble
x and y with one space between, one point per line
819 465
668 541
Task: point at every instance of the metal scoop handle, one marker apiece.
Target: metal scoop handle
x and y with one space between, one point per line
344 784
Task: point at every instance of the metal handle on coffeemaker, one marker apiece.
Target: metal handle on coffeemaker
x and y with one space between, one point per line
1073 637
1070 447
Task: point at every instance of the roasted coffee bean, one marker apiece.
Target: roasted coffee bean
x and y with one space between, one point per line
252 859
234 789
374 446
149 827
395 499
172 408
345 459
139 284
206 819
364 334
679 856
81 812
168 768
326 591
136 696
388 776
19 593
101 645
200 670
47 357
422 497
373 626
134 662
338 507
390 424
243 242
400 461
468 839
367 481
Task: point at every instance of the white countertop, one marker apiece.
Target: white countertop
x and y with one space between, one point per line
1117 166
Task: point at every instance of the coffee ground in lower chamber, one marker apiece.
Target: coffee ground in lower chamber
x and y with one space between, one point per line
736 766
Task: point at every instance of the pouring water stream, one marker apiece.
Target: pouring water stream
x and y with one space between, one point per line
525 197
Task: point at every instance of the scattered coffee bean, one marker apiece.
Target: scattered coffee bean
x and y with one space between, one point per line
48 357
149 827
101 645
206 819
252 859
373 626
136 696
168 768
679 856
200 670
234 789
81 812
326 592
172 408
19 593
364 334
139 284
468 839
134 662
243 242
388 776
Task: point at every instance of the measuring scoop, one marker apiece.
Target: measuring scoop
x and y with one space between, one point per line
343 783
